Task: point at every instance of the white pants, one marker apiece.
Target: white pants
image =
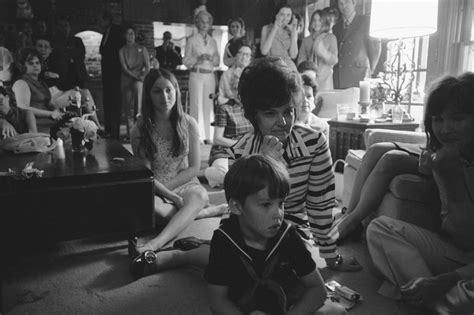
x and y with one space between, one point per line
402 251
216 172
201 85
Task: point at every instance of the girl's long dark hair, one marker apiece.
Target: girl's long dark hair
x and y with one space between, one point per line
177 116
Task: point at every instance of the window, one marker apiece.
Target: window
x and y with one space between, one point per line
468 53
92 41
413 64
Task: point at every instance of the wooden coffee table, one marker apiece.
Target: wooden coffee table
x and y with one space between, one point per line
103 190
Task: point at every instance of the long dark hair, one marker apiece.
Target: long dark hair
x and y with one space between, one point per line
177 116
448 92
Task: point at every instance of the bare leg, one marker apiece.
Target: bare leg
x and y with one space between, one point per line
391 164
212 211
195 199
370 159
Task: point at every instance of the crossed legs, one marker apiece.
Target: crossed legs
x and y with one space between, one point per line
381 163
195 205
402 251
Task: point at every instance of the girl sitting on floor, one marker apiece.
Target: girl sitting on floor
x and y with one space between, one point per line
423 267
167 140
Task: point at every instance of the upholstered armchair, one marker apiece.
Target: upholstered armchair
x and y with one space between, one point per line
411 198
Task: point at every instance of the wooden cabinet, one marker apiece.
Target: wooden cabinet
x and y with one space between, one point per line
349 134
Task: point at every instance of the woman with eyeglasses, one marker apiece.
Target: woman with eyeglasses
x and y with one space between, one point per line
230 123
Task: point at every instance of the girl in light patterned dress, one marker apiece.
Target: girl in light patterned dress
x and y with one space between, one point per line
167 140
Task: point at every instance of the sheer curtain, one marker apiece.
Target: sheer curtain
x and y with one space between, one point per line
447 46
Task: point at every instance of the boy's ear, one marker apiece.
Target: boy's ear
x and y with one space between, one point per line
235 207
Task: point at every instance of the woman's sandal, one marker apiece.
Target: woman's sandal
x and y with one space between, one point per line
139 264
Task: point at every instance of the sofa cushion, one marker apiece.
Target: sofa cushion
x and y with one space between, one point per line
412 187
354 158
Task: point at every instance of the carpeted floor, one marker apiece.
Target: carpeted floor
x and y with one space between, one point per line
91 276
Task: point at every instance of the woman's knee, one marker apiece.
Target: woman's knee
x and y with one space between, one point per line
397 162
378 227
376 150
196 195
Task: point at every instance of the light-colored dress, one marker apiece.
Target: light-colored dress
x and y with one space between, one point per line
135 58
280 45
164 165
325 60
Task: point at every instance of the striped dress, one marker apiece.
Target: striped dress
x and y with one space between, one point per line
310 203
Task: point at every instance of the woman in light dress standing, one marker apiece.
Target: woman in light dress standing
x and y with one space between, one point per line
321 48
280 38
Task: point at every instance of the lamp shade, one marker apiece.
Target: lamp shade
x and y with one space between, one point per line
395 19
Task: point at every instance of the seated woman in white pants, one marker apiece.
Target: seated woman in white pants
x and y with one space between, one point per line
201 56
230 123
421 266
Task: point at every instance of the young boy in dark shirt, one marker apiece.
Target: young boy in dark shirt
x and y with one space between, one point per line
258 264
20 120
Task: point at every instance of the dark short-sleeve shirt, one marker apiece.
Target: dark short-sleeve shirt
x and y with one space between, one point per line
225 267
17 118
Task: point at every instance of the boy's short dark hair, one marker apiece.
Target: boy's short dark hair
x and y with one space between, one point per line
307 65
252 173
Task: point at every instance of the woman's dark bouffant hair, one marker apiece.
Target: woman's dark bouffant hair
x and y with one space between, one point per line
252 173
267 83
26 54
311 82
177 116
448 92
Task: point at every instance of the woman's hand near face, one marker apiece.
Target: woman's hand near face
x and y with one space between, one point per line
293 26
279 21
272 147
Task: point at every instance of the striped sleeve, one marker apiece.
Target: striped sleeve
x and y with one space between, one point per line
320 198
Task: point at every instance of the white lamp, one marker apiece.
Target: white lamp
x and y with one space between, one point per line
391 19
400 19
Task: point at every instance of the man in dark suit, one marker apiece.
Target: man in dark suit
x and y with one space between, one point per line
112 40
358 53
168 54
